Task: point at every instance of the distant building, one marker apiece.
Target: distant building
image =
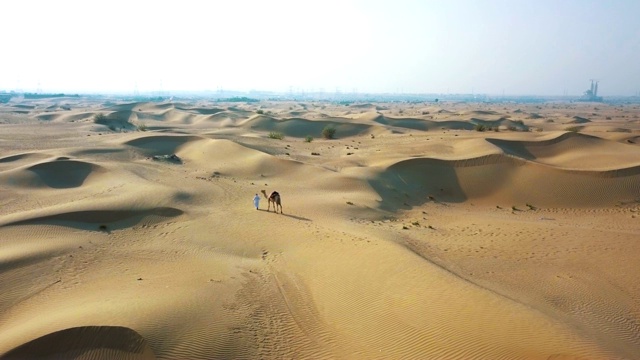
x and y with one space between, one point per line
592 93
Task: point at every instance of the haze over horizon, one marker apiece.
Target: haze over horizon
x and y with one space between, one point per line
463 46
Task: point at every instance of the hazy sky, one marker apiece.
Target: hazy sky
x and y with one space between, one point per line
545 47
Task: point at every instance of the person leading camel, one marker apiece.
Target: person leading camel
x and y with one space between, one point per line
275 199
256 201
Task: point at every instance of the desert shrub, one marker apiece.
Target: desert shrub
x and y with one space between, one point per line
142 127
329 132
100 118
480 127
308 138
260 111
276 135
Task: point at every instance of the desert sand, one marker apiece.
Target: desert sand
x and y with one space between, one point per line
410 235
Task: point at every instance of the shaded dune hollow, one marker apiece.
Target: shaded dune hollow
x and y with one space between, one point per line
501 178
102 219
298 127
160 144
87 343
423 125
61 173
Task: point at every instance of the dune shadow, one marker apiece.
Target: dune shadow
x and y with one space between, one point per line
414 182
514 148
91 342
63 173
102 220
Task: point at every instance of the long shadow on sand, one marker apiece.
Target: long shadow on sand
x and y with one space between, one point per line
288 215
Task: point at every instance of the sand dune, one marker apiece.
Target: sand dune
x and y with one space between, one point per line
579 120
297 127
59 174
409 235
572 151
500 179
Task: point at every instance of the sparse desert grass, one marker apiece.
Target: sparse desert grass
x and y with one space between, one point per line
276 135
308 138
480 127
574 128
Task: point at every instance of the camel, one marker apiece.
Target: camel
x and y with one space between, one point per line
275 199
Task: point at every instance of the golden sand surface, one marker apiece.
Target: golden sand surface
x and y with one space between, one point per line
410 235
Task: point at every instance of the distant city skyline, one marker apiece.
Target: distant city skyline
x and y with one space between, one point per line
493 47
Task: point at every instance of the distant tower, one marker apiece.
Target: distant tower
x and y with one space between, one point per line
592 93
